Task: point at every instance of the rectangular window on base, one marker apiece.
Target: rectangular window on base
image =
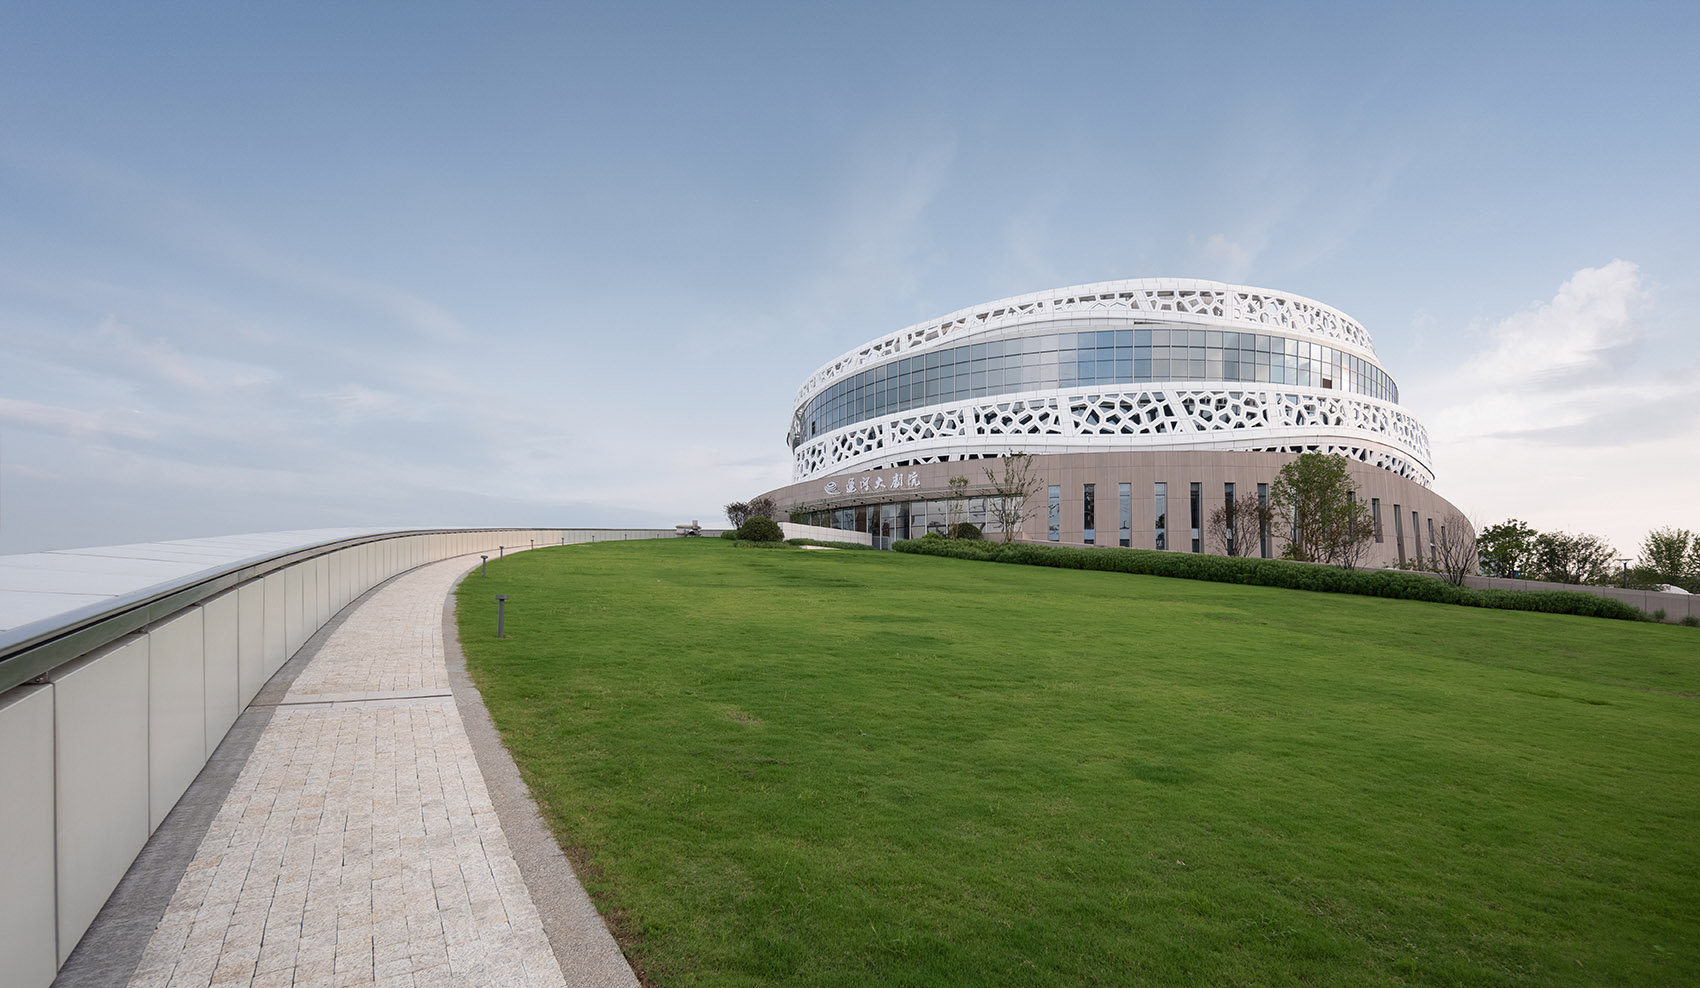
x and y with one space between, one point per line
1375 516
1263 520
1197 517
1160 492
1056 514
1089 512
1230 535
1399 533
1124 505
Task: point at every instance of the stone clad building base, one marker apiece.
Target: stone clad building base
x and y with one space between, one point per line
906 502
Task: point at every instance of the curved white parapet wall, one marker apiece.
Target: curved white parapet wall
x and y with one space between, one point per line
1251 369
123 667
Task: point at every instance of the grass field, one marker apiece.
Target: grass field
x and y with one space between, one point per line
853 768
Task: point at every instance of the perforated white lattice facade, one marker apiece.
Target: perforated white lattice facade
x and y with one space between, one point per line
1169 300
1154 415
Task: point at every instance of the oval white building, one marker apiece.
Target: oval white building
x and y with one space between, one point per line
1115 379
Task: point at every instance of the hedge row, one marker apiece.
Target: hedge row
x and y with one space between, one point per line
1276 573
828 545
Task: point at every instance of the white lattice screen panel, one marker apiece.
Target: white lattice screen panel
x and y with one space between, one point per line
1257 421
1203 303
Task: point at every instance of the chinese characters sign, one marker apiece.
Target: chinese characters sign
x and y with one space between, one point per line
896 480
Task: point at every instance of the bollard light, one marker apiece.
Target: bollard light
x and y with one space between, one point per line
501 550
501 612
484 567
534 543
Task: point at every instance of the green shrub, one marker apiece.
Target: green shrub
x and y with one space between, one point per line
966 530
1691 621
933 537
750 544
1659 615
1275 573
729 534
760 529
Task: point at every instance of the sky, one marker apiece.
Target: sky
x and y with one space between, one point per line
274 267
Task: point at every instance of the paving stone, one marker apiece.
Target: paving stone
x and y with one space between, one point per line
359 845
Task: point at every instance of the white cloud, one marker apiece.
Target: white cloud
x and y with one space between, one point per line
1226 256
75 422
1554 420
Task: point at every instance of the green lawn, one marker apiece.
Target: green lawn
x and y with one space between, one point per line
852 768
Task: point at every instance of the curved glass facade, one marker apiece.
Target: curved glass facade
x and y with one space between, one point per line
1088 359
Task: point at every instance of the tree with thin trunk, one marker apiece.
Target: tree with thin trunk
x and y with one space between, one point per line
737 513
954 509
1236 527
1455 550
1014 485
1323 522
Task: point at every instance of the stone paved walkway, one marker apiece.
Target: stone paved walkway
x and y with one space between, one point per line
359 845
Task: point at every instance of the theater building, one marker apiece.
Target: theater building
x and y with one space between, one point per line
1146 405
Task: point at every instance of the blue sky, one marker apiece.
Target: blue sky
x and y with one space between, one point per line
532 264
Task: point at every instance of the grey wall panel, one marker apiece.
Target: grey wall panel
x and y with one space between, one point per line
100 739
250 640
322 584
339 590
276 623
309 599
294 622
177 710
220 650
27 914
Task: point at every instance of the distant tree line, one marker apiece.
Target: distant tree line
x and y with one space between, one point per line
1513 548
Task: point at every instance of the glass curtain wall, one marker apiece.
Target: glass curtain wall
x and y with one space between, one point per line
1065 360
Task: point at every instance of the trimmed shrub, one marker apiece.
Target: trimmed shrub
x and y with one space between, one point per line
1691 621
1275 573
966 530
760 529
933 537
729 534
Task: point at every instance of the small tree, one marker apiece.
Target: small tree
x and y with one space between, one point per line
1236 527
1013 486
1671 556
1455 549
1565 558
763 507
1323 522
737 512
953 508
1506 549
